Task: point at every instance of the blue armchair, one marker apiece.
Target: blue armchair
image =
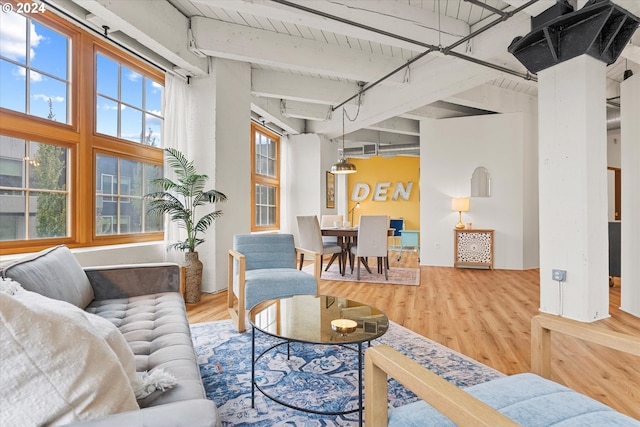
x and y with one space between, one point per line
262 267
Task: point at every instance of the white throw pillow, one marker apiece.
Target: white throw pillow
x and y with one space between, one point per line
55 368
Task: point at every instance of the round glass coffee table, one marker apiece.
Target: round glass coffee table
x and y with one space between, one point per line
315 320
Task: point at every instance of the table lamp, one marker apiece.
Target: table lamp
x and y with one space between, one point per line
357 206
460 204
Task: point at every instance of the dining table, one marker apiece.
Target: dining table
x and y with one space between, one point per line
347 237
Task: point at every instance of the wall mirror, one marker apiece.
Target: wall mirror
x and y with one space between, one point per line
480 183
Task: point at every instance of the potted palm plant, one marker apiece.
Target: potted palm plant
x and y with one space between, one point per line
180 200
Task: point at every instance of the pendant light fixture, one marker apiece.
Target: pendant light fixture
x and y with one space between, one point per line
343 167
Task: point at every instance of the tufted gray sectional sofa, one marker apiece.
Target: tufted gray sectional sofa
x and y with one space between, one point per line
144 302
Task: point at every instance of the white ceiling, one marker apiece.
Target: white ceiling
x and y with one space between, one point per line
310 56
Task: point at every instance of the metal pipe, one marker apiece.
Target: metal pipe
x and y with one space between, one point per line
486 6
505 16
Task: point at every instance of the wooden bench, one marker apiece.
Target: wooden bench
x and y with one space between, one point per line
507 401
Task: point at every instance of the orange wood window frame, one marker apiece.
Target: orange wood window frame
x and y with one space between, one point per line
81 139
262 179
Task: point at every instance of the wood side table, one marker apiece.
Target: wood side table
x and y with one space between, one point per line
473 248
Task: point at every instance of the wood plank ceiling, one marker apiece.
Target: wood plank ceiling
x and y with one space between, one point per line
309 56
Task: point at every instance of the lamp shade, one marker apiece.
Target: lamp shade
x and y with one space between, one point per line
460 204
343 167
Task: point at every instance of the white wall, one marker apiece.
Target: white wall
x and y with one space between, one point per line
450 151
630 227
613 148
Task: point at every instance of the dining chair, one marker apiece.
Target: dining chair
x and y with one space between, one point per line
311 241
328 221
263 267
373 242
398 225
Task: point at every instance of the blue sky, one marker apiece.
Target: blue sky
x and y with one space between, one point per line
45 52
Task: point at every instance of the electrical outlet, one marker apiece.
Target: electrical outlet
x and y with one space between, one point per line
559 275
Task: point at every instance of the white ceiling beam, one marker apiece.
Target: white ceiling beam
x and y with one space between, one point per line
494 98
533 10
242 43
411 22
493 43
269 110
399 125
275 84
431 81
632 50
157 25
304 110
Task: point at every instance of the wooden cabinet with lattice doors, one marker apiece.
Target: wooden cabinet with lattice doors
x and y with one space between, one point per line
473 248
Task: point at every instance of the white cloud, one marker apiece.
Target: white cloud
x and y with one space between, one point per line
156 112
19 72
13 37
35 77
43 97
156 85
133 76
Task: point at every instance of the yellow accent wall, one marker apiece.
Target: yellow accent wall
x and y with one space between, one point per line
377 169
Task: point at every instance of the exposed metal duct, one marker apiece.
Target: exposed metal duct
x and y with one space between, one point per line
386 150
601 29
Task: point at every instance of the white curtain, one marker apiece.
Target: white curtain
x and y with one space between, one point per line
174 135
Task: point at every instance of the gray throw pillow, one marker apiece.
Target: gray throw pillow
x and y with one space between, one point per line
54 273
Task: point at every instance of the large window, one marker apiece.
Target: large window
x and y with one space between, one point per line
76 157
265 179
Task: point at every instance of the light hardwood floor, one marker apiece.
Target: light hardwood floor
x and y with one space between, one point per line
486 315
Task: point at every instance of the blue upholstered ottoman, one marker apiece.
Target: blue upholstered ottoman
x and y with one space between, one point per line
528 399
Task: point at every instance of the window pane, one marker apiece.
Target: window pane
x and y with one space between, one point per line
130 215
107 117
265 205
48 97
153 135
151 172
107 79
131 124
51 215
121 185
13 32
131 90
12 162
12 215
13 86
151 222
46 68
153 97
48 51
24 168
130 178
47 166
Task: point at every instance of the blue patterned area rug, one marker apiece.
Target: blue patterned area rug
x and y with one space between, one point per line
315 377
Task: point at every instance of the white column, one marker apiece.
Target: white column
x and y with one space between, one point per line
630 163
219 144
573 188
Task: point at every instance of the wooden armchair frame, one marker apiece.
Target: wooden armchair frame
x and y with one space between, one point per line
463 409
238 312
